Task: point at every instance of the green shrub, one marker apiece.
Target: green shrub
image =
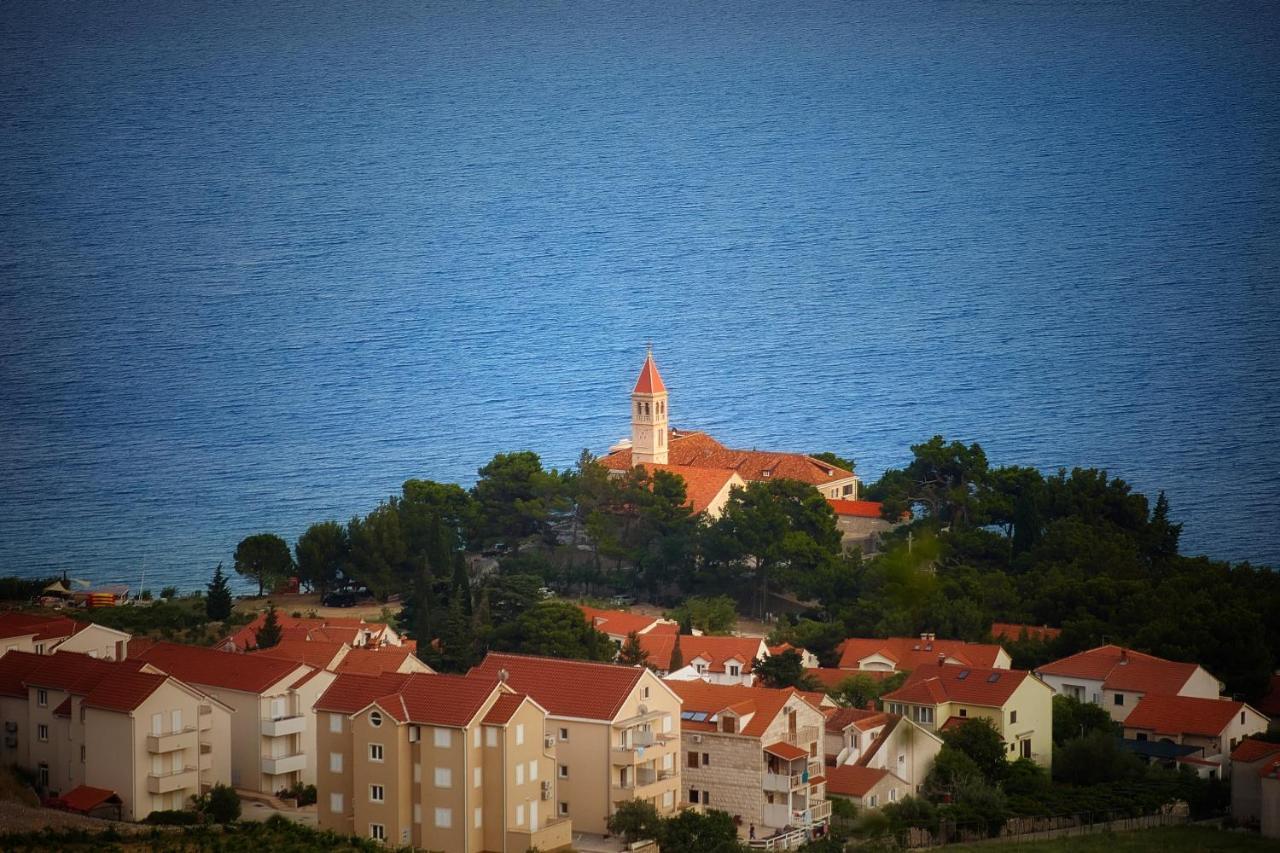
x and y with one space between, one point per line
172 817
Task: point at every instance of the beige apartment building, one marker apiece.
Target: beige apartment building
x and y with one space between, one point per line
443 762
615 732
1117 678
120 726
757 754
273 721
44 635
857 737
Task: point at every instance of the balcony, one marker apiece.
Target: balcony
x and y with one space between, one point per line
174 780
284 764
172 742
639 751
802 736
282 726
783 782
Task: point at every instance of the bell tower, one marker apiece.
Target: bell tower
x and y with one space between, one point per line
649 416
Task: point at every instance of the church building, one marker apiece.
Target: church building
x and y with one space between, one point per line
709 469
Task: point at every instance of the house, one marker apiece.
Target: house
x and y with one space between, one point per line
720 660
833 679
335 656
1214 727
807 658
655 443
1269 704
876 740
706 489
273 721
1017 703
860 523
1116 678
615 731
903 654
1013 632
148 739
755 753
618 624
865 787
356 633
445 762
1248 761
44 635
1270 808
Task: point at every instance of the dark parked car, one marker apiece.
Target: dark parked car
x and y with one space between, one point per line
341 598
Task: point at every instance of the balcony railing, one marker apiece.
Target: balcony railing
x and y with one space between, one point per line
802 736
783 782
284 764
281 726
174 780
171 742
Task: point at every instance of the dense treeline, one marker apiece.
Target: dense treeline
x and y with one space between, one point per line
1074 549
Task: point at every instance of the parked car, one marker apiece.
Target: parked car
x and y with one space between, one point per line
341 598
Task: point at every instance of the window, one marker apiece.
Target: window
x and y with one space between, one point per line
375 752
335 762
443 738
375 719
479 817
417 812
476 776
335 723
490 736
519 734
377 832
42 698
848 489
520 815
730 724
563 809
335 803
39 648
475 739
1013 717
706 798
564 734
563 771
693 762
1119 698
871 801
444 818
964 712
42 775
1142 736
893 795
706 759
668 799
668 761
417 773
734 669
1026 748
444 777
376 794
902 759
82 753
519 774
693 795
1242 717
666 724
533 771
644 693
42 732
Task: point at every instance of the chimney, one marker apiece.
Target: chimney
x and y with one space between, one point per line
1124 657
503 675
942 659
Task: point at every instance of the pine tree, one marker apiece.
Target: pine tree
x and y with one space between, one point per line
461 583
457 640
632 653
677 657
217 602
424 603
269 634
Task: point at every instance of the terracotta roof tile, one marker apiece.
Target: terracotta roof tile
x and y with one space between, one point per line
124 691
1182 715
336 628
701 485
84 798
621 622
1124 669
912 652
503 709
649 381
64 709
444 700
716 650
1251 750
932 685
74 672
566 688
786 751
325 654
14 668
349 693
198 665
839 719
714 698
853 781
379 659
856 509
699 450
831 679
1013 631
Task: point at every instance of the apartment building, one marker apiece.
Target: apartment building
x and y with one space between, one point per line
615 731
865 787
444 762
1206 730
44 635
336 656
857 737
354 632
903 654
617 624
1014 700
1117 678
757 754
273 723
124 727
718 660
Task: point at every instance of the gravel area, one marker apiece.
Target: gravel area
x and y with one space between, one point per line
16 817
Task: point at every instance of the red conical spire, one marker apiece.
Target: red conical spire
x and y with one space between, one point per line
650 382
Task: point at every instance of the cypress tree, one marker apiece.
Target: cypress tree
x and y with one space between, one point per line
217 601
423 602
461 583
677 657
633 654
269 634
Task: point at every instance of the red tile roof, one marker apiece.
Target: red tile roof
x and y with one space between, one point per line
1013 631
932 685
699 450
839 719
912 652
856 509
786 751
372 661
14 668
349 693
1124 669
13 624
124 691
441 700
716 650
138 645
831 679
317 653
64 709
1251 750
1182 715
649 381
337 629
701 485
853 781
74 672
566 688
763 703
503 709
620 622
84 798
228 670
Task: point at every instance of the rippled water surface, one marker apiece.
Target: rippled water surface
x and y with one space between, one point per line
261 262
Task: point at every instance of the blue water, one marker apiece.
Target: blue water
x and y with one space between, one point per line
261 262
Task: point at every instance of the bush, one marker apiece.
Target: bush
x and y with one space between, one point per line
169 592
222 805
172 817
1096 757
304 794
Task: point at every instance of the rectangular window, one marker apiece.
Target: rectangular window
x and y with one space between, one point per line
666 724
475 737
644 693
693 795
417 773
668 761
564 734
520 815
519 734
479 820
335 762
376 793
417 812
519 774
693 762
335 723
42 732
668 799
375 752
964 712
490 736
893 795
42 698
564 771
1026 749
377 832
1119 698
82 753
443 738
1013 717
444 777
476 777
1142 736
706 798
564 809
335 803
706 759
871 801
533 771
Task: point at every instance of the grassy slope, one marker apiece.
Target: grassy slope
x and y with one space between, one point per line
1166 840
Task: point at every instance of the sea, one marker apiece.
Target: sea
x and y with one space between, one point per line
262 262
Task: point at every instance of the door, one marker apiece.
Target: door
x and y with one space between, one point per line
533 817
277 708
176 719
157 721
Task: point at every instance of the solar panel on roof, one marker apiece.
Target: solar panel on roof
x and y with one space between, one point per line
700 717
993 678
962 675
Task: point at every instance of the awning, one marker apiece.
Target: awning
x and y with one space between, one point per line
85 798
786 751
